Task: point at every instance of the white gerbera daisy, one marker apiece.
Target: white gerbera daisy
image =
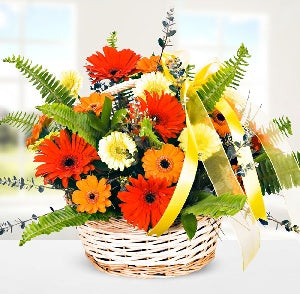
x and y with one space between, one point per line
206 138
117 150
152 82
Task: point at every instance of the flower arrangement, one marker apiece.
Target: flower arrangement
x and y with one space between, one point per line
154 143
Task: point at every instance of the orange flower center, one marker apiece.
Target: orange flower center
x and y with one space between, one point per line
164 163
150 197
94 105
92 196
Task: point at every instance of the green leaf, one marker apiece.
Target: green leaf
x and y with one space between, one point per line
284 125
189 223
229 75
118 117
146 130
288 173
50 88
20 120
238 63
211 92
99 216
54 222
112 39
215 207
76 122
105 114
161 43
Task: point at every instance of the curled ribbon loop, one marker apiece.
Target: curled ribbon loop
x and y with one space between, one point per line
245 160
277 150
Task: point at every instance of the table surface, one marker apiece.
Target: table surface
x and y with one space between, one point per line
60 266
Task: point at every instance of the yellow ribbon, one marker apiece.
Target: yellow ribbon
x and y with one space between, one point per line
219 170
245 160
183 186
279 152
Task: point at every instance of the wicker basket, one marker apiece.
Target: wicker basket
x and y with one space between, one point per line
119 248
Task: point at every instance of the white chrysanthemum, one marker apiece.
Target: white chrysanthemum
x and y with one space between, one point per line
152 82
117 150
206 138
72 80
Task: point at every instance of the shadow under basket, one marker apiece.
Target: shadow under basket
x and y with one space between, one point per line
118 248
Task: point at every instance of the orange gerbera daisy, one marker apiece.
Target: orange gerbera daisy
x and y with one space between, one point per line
235 169
65 157
92 103
220 123
164 163
146 65
92 195
255 143
145 201
43 122
165 112
113 64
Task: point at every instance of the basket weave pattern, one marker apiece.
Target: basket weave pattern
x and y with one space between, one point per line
119 248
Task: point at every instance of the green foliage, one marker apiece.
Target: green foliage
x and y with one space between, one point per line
118 117
21 120
211 92
214 207
59 219
112 39
146 130
190 71
189 223
54 222
49 87
238 63
284 124
105 115
288 173
76 122
297 157
229 75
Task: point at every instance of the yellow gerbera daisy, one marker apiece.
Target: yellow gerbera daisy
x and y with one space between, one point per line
72 80
206 138
152 82
117 150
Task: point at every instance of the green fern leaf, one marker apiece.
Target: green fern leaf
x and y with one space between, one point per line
288 173
214 207
20 120
211 92
190 71
76 122
54 222
229 75
112 39
284 125
238 63
49 87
